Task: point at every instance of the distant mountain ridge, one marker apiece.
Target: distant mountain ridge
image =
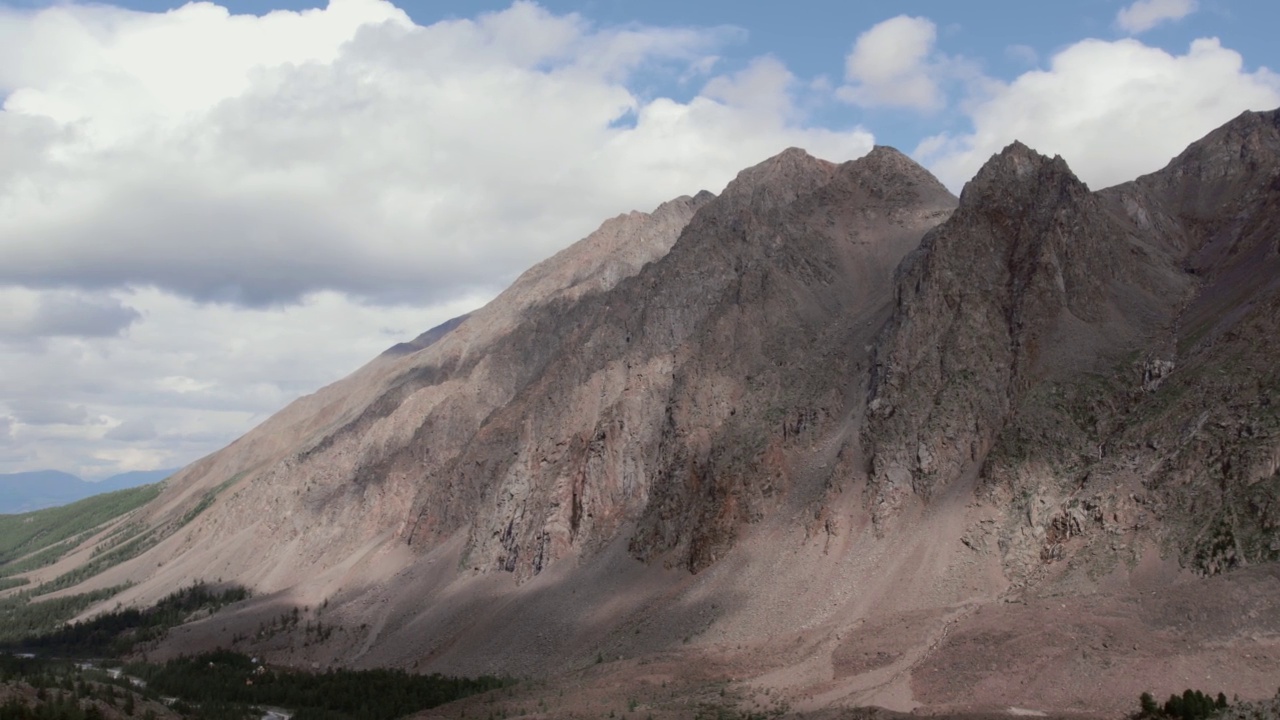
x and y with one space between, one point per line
39 489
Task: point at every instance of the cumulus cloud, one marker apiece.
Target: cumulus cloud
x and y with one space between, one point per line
29 314
254 160
1113 110
1146 14
891 65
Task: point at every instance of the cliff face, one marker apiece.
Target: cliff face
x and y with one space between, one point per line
1086 341
663 403
1035 280
1206 436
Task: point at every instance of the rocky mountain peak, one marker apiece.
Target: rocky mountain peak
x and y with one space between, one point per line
890 160
1232 163
1248 138
886 172
1018 175
776 181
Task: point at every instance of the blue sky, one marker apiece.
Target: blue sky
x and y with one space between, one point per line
813 37
209 210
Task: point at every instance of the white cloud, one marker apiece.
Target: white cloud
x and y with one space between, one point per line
891 65
1146 14
205 215
1113 110
254 160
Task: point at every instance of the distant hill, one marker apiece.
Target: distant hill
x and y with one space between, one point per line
39 489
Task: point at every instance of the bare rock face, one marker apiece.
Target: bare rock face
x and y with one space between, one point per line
1030 261
813 273
1046 338
1209 437
657 404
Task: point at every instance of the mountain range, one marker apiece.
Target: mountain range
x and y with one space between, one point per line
834 437
38 489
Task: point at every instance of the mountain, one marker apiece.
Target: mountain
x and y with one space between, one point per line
133 478
834 437
35 490
21 492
